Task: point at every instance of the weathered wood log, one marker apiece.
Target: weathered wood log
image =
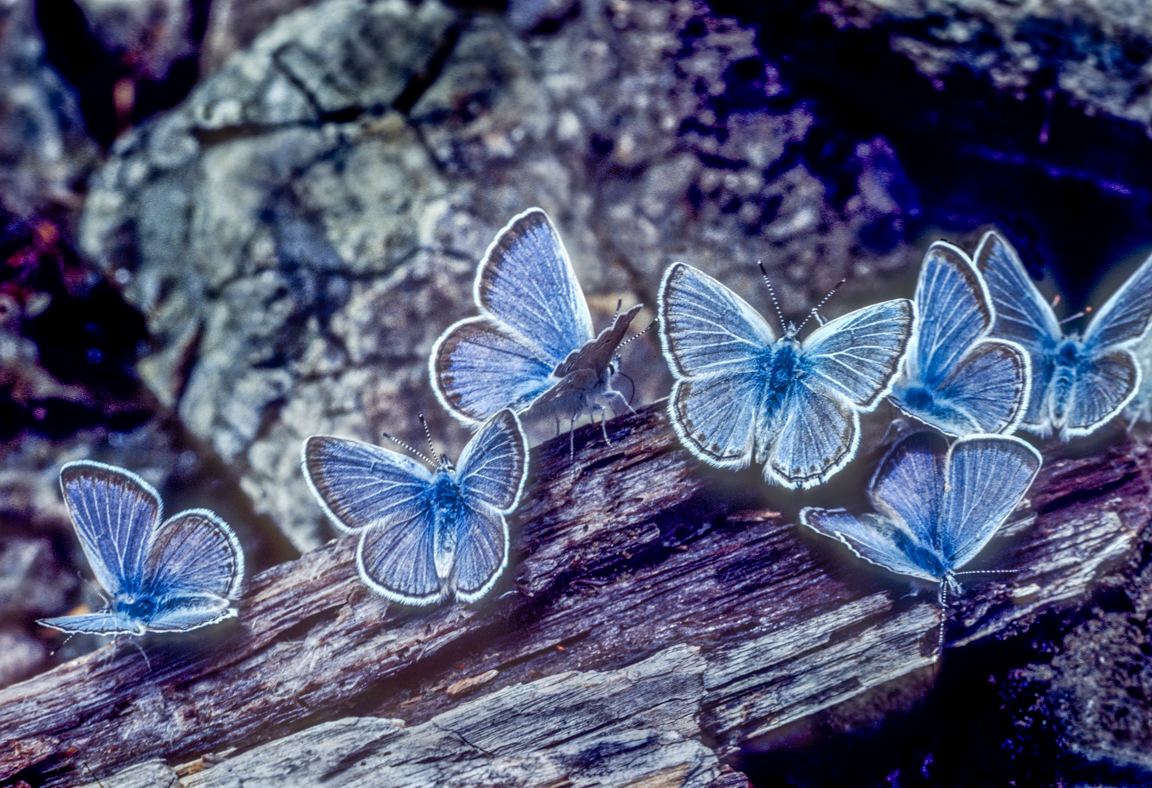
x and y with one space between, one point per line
644 615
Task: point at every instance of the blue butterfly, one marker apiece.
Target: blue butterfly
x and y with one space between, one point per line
936 505
742 393
163 577
531 348
955 377
1078 383
425 534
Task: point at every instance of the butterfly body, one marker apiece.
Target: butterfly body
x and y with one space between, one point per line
1079 381
426 534
170 576
449 510
742 393
532 348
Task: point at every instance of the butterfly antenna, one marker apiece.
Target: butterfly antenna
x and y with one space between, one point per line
772 292
431 447
616 314
1076 316
943 617
634 337
823 301
408 448
988 572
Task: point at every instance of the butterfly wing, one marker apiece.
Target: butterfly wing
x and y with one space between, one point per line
526 282
481 554
1102 386
1022 317
196 566
987 392
856 356
494 464
871 537
953 312
817 436
383 495
116 514
988 476
715 344
91 624
908 489
478 367
491 474
1126 316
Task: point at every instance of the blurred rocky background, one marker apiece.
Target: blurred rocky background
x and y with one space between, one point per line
229 224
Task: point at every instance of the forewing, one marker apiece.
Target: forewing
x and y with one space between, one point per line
1022 314
705 328
482 553
988 476
195 554
478 367
952 312
527 282
359 485
908 487
396 557
115 513
494 464
873 538
992 386
857 355
1103 385
817 437
1126 316
715 416
89 624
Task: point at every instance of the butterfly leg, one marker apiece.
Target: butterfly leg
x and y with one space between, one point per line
139 648
603 419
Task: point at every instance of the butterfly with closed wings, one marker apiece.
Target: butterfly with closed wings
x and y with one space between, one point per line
532 348
1078 382
955 377
742 393
430 530
170 576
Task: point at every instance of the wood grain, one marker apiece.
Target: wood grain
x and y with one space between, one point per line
631 554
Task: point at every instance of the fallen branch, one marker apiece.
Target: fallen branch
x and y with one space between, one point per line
631 574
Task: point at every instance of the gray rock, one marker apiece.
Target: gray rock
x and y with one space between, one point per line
1098 52
44 149
305 225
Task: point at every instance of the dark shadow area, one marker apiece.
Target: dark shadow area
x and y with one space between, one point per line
1073 192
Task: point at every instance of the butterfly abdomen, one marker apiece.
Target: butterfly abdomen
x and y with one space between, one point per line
448 512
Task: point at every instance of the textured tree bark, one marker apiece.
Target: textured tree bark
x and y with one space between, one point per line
648 627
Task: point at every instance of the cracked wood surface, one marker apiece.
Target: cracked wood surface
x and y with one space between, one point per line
632 560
